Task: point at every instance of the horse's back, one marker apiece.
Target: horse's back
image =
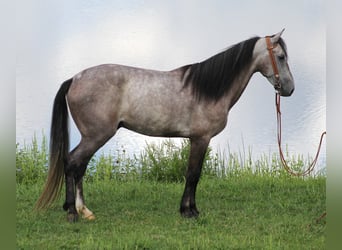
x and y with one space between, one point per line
147 101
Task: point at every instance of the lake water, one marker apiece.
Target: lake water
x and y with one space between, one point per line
55 41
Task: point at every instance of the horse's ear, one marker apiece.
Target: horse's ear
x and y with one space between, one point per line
275 38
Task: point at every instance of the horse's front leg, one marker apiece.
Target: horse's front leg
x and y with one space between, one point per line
197 152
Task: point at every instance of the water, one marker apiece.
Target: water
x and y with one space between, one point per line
57 41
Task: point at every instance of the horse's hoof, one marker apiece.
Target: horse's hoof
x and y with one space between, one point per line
90 217
189 213
72 218
87 214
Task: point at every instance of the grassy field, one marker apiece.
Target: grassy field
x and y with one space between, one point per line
240 209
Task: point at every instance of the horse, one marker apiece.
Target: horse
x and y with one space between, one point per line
192 101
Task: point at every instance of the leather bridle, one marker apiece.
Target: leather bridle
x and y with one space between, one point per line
270 47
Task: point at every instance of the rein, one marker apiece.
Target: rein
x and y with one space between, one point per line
282 158
277 86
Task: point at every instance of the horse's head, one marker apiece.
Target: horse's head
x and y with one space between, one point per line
272 63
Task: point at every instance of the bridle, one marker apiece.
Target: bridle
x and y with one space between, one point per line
270 47
277 86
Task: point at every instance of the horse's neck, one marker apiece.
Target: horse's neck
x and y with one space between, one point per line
239 85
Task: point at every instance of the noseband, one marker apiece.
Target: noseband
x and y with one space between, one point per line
270 48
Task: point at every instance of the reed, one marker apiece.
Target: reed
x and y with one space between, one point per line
165 162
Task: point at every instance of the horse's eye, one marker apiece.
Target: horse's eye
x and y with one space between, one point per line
281 57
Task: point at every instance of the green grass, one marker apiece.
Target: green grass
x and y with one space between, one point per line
247 212
254 206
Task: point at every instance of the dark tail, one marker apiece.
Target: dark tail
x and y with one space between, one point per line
59 149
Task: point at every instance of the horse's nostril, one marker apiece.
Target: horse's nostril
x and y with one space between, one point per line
291 91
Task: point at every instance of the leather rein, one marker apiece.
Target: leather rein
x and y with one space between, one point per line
277 86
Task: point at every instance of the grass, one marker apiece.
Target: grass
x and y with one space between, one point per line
254 206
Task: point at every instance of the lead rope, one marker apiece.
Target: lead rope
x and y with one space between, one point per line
282 158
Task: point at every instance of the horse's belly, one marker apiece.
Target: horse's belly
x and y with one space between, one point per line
158 124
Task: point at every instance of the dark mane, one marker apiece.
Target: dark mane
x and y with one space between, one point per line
212 78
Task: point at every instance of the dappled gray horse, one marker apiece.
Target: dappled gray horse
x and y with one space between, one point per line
192 101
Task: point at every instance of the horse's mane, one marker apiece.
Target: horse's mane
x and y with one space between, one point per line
283 45
212 78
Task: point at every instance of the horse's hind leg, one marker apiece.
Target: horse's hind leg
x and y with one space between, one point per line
69 204
80 205
74 172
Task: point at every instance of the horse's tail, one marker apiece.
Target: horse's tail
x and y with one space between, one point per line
59 148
